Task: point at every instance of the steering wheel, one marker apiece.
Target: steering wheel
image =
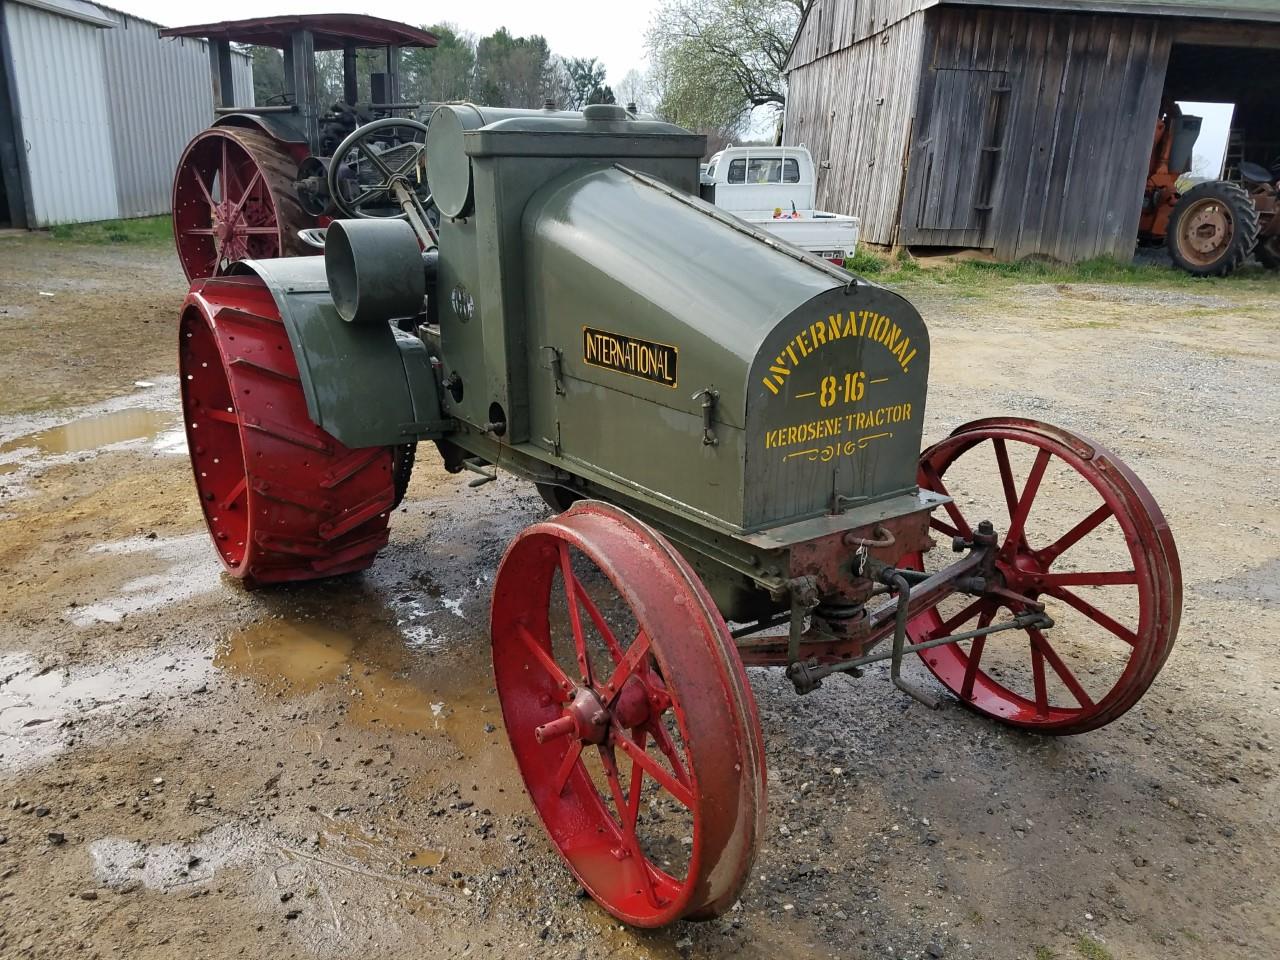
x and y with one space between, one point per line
366 176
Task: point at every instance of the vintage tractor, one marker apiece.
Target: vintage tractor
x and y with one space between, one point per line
1213 228
729 432
249 186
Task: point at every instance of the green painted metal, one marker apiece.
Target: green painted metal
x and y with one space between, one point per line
602 328
374 270
368 385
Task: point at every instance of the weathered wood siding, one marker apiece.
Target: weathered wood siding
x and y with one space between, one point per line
833 25
853 110
1033 132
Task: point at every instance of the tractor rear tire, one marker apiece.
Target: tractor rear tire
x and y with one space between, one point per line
1268 252
283 499
1213 229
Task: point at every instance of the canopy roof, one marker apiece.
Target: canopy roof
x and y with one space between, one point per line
332 31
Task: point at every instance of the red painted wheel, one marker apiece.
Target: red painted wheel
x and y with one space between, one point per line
234 199
629 715
1081 534
283 500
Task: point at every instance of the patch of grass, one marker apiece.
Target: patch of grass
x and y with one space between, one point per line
149 231
1091 949
1044 953
976 277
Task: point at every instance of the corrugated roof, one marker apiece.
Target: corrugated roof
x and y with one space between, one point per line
1244 10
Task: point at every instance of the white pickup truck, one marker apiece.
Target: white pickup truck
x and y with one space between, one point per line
774 188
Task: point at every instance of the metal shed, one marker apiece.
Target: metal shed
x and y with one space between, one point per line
95 109
1017 127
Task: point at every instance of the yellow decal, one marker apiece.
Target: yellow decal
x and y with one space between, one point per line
655 362
835 427
841 448
866 324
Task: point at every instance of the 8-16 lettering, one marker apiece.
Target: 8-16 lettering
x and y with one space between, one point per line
853 387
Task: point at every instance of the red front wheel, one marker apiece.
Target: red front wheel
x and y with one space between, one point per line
629 716
1081 534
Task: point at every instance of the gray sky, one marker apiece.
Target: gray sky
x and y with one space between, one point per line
573 28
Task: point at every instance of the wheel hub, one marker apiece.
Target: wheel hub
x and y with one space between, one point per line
585 718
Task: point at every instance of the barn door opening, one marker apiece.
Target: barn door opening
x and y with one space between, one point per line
957 157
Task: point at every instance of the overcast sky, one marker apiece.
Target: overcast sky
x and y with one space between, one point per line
573 28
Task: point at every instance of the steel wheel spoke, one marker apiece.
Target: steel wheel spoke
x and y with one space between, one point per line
208 196
637 784
253 182
1097 578
543 656
575 616
567 766
1037 673
1041 643
1093 613
610 641
1017 525
975 656
943 527
258 231
961 618
1006 475
378 162
1075 534
634 656
236 492
663 740
652 767
937 486
199 231
629 835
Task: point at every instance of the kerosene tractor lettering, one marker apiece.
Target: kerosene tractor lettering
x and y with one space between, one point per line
836 426
867 324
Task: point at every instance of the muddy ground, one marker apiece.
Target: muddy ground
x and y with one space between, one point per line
190 770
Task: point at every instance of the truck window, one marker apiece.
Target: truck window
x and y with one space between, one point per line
737 171
764 170
790 171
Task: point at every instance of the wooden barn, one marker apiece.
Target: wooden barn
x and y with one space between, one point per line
1024 128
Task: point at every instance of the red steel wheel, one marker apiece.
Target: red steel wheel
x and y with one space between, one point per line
234 199
629 715
1081 534
283 500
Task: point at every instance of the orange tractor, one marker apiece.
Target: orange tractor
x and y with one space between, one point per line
1215 226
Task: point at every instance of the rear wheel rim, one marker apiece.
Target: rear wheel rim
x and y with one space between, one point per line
666 710
1206 231
233 200
1033 569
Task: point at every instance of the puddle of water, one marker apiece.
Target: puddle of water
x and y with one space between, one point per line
176 569
39 708
376 850
93 432
301 655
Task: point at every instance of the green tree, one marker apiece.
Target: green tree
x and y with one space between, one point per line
715 61
585 82
439 74
268 75
512 71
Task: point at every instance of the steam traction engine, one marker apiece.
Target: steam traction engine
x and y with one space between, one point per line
248 186
729 431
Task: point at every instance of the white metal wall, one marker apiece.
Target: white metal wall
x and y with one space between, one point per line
106 112
62 105
159 94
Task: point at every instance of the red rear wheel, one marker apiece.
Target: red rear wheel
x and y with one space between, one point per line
629 715
1081 534
234 199
283 500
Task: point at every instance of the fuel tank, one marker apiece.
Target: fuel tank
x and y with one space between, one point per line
709 368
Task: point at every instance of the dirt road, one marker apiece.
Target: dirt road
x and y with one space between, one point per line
190 770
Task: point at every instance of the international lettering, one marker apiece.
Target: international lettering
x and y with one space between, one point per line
863 324
638 358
